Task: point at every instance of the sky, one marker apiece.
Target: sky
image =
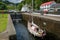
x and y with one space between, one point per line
15 1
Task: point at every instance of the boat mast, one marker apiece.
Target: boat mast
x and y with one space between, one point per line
32 11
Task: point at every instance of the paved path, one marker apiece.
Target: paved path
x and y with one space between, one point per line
10 30
47 16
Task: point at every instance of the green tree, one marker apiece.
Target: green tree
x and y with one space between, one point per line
58 1
19 6
37 4
3 6
0 0
46 1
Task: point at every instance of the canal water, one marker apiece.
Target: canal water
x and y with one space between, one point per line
22 32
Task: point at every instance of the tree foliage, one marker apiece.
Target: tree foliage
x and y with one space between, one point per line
2 6
7 2
19 6
36 3
58 1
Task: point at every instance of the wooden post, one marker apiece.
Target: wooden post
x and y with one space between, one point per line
2 14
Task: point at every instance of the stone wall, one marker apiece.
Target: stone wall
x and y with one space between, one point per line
50 25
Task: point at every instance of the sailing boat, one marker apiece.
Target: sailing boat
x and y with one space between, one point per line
35 30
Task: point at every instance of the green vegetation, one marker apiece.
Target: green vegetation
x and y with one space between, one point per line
19 6
11 7
3 11
3 6
3 22
36 3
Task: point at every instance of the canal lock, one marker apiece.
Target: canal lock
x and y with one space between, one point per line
20 22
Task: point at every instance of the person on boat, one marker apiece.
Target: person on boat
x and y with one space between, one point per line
37 31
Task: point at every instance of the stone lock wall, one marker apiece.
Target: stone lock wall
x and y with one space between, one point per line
51 26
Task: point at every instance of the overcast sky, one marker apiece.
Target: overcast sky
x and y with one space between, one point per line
15 1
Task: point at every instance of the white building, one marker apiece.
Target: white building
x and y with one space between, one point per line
25 8
46 6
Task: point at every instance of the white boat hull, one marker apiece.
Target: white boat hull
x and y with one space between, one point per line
35 33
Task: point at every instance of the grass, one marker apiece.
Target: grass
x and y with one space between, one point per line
3 22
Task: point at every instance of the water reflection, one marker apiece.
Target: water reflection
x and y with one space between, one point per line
22 32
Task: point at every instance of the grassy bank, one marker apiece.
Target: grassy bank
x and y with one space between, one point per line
3 22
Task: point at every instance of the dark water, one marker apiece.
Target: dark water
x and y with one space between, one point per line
22 33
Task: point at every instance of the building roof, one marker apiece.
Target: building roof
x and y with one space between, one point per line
47 3
56 5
